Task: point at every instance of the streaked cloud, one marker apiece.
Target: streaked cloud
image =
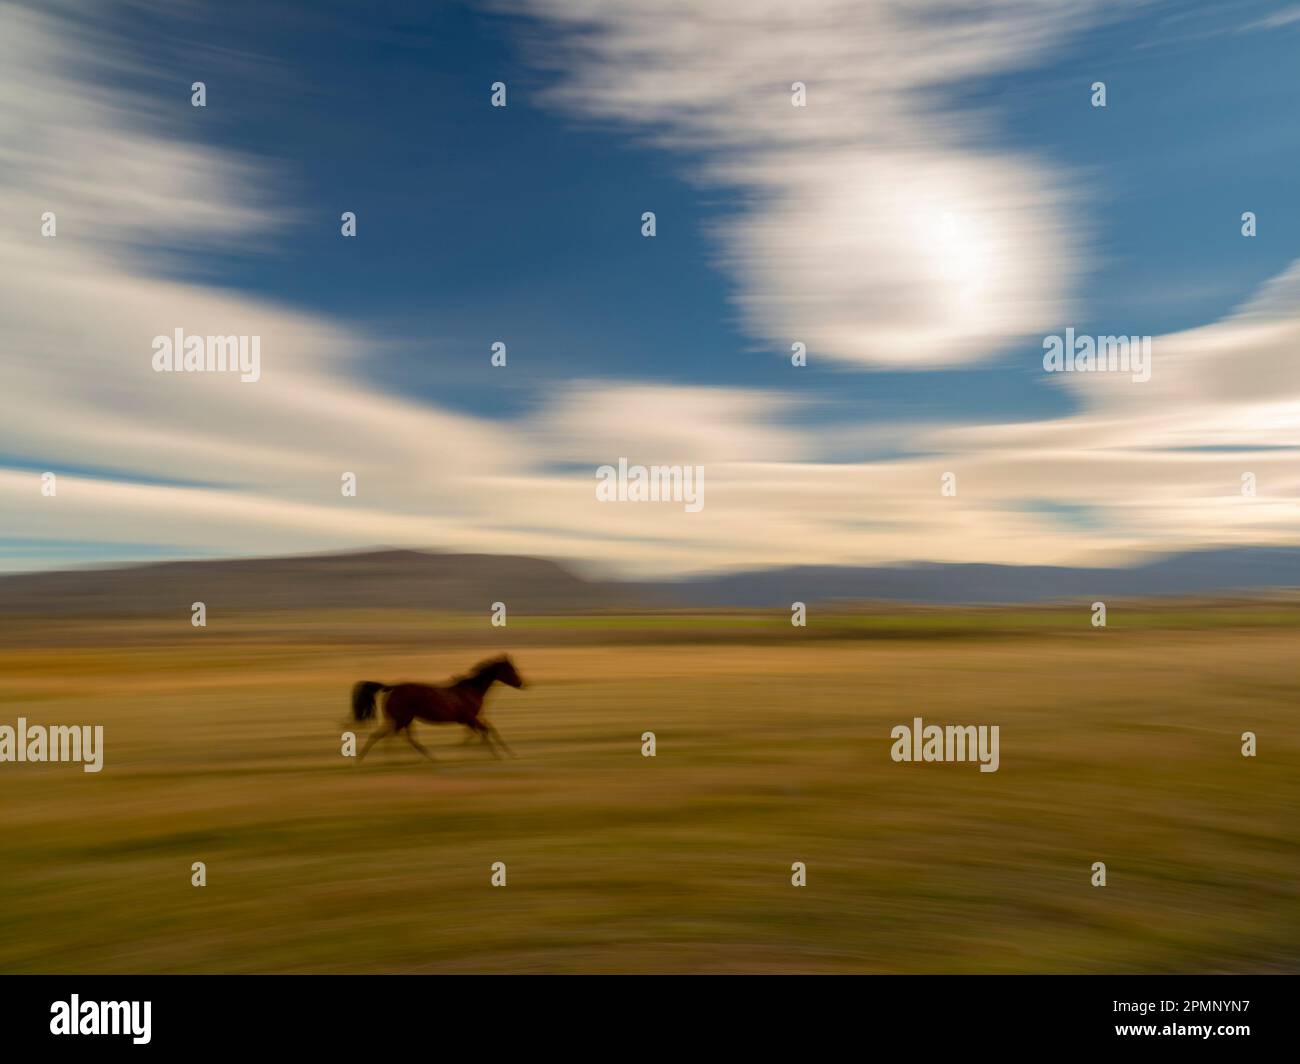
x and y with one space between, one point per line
259 465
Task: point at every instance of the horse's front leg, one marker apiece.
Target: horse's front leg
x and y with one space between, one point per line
497 736
484 732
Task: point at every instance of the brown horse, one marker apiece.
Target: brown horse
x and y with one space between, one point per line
460 702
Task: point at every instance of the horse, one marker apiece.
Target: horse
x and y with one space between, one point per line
460 702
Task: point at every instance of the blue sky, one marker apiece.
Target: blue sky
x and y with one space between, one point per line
518 223
522 224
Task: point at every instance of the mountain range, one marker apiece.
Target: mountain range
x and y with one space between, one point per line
406 579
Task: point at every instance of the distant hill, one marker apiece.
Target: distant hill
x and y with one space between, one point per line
401 579
406 579
1198 572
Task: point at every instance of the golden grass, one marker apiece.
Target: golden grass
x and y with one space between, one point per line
222 746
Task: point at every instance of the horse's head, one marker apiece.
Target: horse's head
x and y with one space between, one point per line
504 671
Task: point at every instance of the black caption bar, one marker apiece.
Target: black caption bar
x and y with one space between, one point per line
156 1014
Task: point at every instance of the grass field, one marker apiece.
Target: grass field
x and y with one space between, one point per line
222 745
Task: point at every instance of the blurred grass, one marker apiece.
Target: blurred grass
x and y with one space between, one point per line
222 745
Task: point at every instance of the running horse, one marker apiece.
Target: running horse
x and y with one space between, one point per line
460 702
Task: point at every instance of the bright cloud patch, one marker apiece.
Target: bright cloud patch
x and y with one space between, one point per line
873 228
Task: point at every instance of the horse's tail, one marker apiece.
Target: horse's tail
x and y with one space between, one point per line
363 698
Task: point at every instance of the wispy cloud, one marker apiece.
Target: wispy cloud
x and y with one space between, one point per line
259 466
1286 16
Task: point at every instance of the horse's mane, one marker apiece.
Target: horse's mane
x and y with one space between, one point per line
478 670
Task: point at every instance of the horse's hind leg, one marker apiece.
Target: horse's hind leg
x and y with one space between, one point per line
374 738
411 739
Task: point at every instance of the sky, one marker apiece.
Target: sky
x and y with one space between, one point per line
946 198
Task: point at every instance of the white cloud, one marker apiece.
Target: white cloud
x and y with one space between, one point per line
263 461
872 225
598 422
